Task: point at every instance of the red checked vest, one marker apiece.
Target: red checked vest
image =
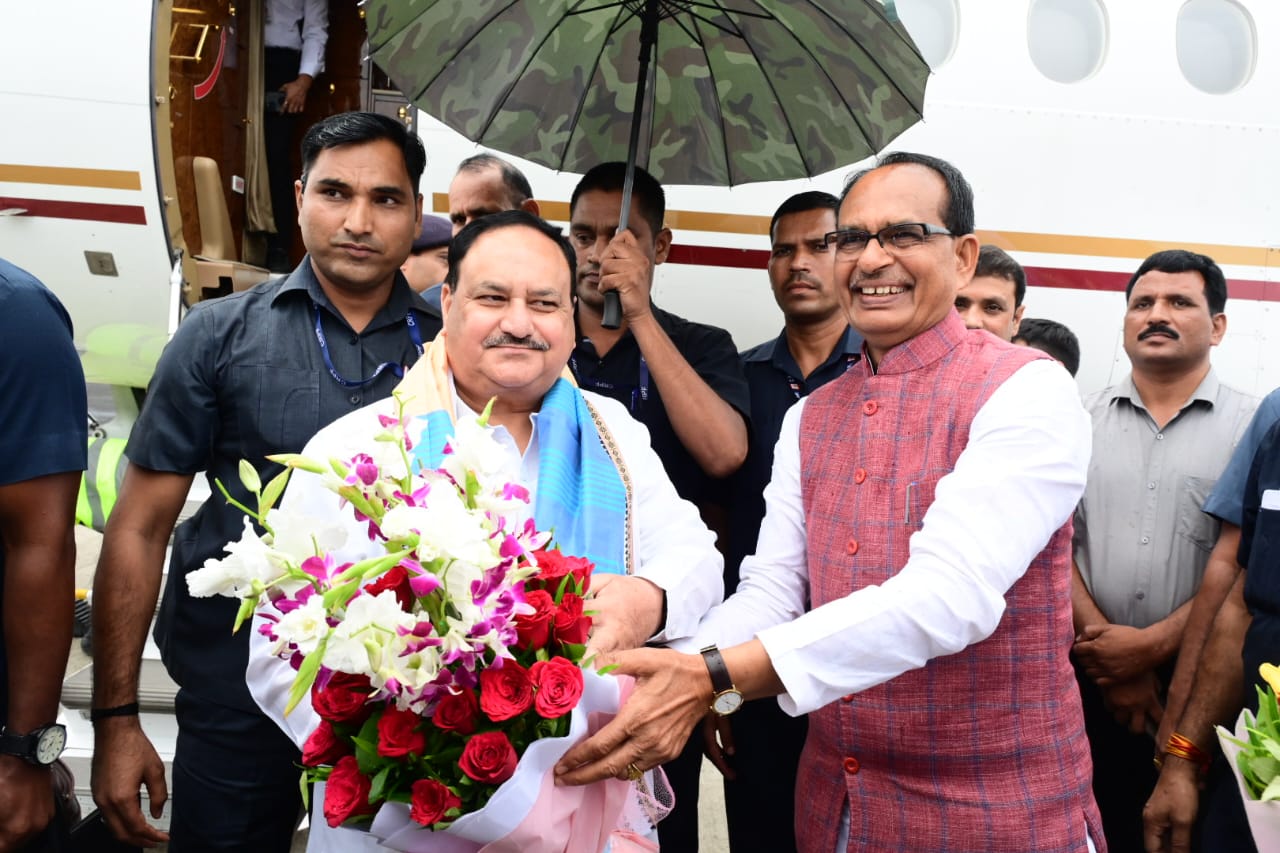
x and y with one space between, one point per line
979 751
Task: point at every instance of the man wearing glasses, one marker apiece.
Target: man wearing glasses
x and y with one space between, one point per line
911 586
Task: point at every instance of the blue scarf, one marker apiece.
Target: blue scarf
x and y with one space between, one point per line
580 495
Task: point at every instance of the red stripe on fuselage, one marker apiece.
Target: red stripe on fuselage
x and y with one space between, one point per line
1055 277
127 214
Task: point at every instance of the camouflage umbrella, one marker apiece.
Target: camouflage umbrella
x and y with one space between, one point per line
740 90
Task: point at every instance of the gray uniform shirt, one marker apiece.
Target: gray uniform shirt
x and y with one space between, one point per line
1141 541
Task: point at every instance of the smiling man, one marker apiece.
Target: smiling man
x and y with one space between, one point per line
992 299
509 329
1161 439
910 590
245 376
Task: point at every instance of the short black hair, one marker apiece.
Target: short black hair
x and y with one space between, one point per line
354 128
1052 337
518 188
957 214
803 203
1180 260
645 191
463 240
996 262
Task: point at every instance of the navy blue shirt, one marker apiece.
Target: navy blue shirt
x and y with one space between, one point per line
43 408
1260 555
776 384
245 377
623 375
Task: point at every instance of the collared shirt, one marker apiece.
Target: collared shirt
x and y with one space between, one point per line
244 377
1260 555
774 380
301 25
623 375
976 542
43 409
1225 500
1141 541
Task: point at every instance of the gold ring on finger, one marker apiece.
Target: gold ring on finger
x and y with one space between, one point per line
634 773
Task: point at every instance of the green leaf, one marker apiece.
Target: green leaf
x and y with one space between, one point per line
378 785
247 606
249 477
304 783
306 675
273 491
1272 791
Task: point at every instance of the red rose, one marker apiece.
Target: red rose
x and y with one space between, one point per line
534 630
457 712
323 746
346 793
553 566
488 758
397 580
431 799
557 685
342 700
571 625
398 735
505 692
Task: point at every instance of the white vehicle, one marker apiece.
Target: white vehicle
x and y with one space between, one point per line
1094 132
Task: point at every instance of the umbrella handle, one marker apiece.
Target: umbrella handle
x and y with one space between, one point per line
611 316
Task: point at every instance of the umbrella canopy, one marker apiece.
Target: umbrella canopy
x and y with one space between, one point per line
738 90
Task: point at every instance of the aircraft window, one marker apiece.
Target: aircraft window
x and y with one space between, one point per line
934 26
1217 45
1067 38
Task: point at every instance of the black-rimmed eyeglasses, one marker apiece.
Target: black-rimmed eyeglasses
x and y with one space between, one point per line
892 238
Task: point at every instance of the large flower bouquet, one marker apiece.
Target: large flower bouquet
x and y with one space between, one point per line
1254 755
435 662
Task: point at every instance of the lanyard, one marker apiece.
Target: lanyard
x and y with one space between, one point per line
639 392
797 387
415 336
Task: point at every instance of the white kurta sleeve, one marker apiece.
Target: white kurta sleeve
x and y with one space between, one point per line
1016 482
673 547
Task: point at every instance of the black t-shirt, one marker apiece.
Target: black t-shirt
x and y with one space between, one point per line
1260 555
43 407
623 375
775 382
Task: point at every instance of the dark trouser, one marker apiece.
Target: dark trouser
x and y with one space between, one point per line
760 803
678 831
280 66
1224 828
235 781
1124 774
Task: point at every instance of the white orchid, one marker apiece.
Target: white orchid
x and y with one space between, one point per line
367 634
298 536
303 627
248 560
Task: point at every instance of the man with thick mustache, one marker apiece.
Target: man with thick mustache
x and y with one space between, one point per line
246 375
910 590
1161 438
509 328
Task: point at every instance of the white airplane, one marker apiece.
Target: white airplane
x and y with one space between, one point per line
1094 132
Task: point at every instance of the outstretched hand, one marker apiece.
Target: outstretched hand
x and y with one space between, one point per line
672 693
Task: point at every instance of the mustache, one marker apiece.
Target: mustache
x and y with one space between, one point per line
806 278
505 340
1158 329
